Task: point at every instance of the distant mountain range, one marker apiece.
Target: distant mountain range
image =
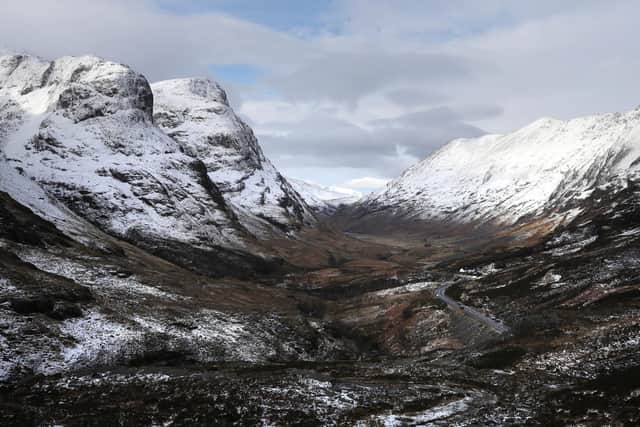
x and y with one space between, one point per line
325 199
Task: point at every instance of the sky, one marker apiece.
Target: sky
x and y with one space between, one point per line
352 92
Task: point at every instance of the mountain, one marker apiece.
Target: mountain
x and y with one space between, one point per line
126 238
546 170
324 199
83 129
196 114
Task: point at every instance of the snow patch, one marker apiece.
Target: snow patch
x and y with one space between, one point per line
100 278
98 341
436 413
412 287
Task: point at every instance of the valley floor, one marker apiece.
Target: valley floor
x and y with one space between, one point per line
366 334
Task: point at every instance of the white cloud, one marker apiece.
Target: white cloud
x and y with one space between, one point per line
155 42
578 62
349 76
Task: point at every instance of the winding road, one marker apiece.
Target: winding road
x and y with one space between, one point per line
441 294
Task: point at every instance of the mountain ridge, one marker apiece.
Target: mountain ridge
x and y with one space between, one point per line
541 170
83 129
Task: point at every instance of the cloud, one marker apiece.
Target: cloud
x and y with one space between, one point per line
154 41
349 76
414 96
438 20
378 86
386 146
578 62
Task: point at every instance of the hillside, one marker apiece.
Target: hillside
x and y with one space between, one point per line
545 171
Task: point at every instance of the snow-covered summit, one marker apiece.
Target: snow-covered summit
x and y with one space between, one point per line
82 127
545 168
195 113
322 198
81 86
191 92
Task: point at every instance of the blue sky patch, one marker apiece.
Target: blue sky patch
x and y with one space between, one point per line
236 73
283 15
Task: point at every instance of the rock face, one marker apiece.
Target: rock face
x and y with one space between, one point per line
197 115
543 170
324 199
83 129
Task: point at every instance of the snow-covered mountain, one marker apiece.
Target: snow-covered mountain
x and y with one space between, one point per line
546 169
197 115
324 199
83 129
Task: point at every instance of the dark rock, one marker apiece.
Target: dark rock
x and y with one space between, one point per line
39 304
65 310
19 224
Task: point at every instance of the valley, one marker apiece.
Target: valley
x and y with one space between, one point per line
157 269
364 342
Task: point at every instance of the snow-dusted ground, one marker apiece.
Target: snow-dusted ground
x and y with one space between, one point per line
100 339
543 167
128 319
411 287
588 357
438 413
100 277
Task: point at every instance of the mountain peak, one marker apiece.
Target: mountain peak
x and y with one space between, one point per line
196 114
324 198
69 82
544 168
186 91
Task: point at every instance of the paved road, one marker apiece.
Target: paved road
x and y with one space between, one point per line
493 324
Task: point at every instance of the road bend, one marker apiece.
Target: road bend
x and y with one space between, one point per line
497 326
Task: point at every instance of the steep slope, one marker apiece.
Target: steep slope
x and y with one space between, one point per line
545 170
197 115
324 199
82 129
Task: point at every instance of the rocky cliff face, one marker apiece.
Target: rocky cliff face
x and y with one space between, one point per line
197 115
545 170
82 128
